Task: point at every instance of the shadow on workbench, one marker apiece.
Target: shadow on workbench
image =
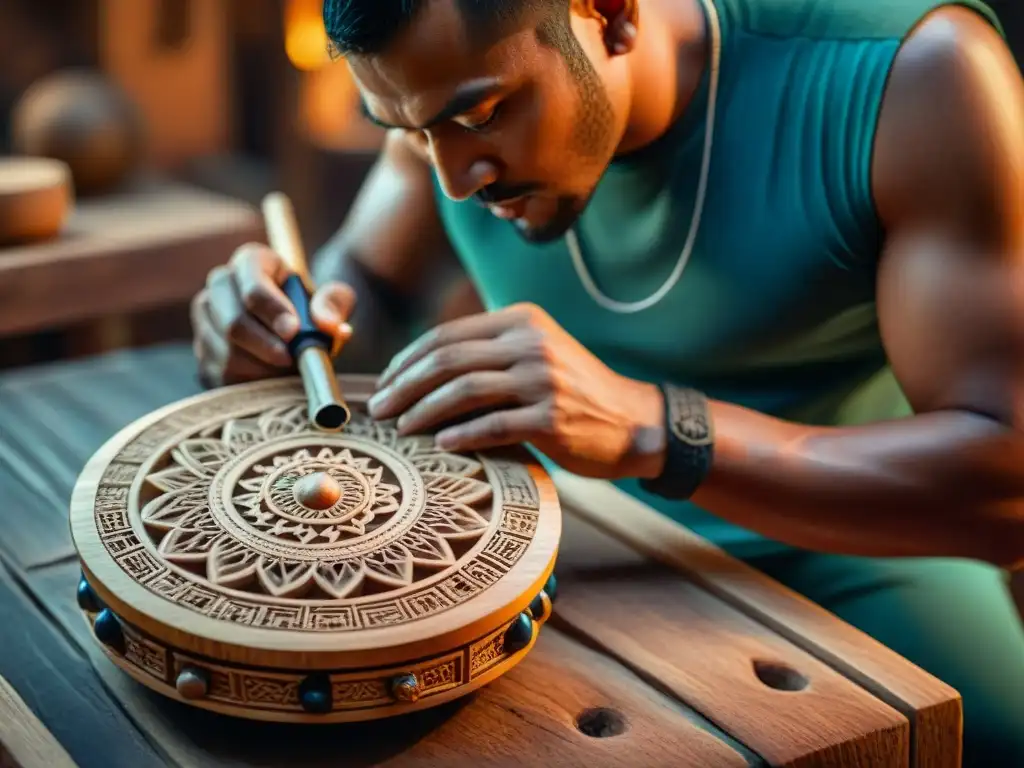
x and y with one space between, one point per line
361 745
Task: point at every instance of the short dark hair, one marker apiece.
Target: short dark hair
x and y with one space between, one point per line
367 27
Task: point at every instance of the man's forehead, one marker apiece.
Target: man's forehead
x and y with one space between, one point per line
439 50
433 62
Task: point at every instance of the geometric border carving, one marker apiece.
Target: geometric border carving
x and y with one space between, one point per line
518 507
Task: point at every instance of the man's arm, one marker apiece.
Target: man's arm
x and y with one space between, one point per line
949 481
389 251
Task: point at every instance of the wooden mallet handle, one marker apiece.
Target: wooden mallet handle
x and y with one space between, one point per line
310 347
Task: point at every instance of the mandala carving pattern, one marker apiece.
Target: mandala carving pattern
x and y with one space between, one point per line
204 508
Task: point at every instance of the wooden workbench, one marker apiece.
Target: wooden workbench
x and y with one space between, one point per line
148 247
662 652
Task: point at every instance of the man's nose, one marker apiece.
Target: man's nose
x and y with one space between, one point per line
460 168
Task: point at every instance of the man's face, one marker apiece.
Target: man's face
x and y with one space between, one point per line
510 122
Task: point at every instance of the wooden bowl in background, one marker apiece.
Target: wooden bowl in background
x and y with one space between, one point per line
36 196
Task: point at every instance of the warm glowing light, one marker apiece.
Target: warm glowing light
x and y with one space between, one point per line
305 40
326 97
328 116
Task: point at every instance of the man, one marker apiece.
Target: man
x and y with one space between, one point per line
758 262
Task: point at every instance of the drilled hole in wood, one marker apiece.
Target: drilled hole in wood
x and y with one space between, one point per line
779 676
600 723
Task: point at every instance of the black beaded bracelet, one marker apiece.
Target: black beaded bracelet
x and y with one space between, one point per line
689 448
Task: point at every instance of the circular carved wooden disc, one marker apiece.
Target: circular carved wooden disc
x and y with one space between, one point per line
228 526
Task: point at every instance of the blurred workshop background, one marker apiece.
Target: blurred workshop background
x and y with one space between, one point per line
174 117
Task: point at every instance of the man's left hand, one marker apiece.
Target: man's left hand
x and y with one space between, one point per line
515 376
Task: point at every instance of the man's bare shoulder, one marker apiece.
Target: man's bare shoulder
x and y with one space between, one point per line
950 139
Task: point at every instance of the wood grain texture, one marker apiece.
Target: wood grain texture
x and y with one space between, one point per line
53 678
652 622
24 740
708 654
527 718
53 416
150 246
933 708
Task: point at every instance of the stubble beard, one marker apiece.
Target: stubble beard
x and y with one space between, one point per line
592 136
592 142
593 150
567 212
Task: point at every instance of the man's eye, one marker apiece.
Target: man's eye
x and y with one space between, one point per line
479 122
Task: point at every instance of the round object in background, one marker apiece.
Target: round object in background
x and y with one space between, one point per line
36 195
85 120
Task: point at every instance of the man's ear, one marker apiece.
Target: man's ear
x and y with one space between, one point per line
619 20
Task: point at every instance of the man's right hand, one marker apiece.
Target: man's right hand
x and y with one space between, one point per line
242 320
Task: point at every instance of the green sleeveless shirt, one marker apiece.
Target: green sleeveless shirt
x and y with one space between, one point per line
775 310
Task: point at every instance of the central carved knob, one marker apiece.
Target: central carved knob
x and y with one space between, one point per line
317 491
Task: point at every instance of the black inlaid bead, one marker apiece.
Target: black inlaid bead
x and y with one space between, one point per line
108 630
87 599
540 606
315 694
519 633
551 587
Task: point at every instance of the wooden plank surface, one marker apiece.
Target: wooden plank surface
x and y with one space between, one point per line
527 718
774 697
55 681
933 708
149 246
670 650
53 418
24 740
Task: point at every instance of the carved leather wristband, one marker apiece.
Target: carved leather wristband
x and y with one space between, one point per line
689 448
